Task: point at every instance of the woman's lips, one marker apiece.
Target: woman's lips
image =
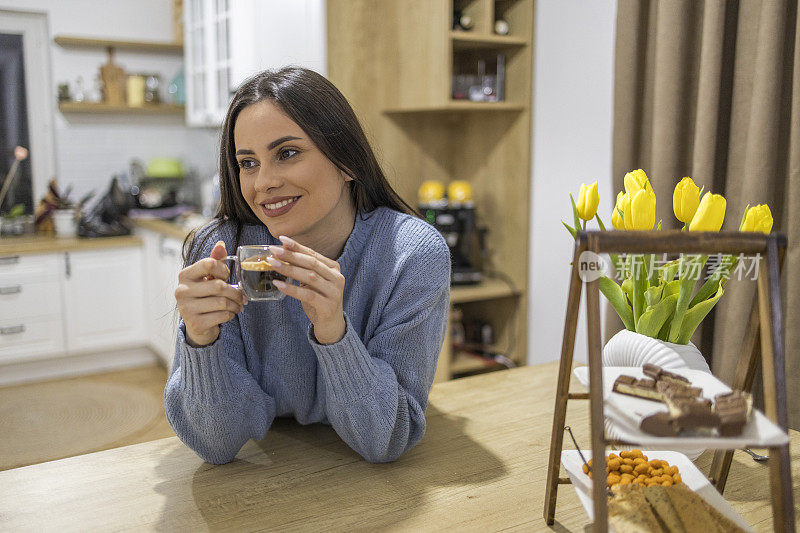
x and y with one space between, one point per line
281 210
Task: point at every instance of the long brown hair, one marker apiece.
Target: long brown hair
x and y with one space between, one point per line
317 106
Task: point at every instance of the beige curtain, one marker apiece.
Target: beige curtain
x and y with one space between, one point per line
711 89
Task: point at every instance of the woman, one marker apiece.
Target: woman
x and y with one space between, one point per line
355 343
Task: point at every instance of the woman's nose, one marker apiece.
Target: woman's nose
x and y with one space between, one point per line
267 179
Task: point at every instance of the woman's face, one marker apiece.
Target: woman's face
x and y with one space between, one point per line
285 179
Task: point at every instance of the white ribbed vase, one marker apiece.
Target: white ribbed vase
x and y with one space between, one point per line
628 348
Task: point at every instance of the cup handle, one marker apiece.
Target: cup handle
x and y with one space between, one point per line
235 260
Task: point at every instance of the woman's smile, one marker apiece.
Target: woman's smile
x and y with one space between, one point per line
278 207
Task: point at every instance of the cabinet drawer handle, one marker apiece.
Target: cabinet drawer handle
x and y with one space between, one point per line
15 289
13 329
9 260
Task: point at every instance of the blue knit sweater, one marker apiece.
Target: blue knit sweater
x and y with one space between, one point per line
372 386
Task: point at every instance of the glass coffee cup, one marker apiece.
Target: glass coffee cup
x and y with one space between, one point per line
255 274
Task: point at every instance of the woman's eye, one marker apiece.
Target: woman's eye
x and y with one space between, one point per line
286 153
246 164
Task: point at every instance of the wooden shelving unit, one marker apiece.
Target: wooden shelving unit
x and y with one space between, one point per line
103 108
394 61
460 105
138 46
489 289
469 40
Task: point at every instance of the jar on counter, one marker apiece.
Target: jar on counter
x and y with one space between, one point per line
135 90
152 84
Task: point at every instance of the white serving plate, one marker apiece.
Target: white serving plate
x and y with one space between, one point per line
690 475
628 412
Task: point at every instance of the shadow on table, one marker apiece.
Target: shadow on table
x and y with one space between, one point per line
306 477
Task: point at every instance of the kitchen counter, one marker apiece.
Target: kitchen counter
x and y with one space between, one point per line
481 466
40 244
163 227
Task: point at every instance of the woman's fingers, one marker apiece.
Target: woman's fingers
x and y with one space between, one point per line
294 246
306 277
207 321
206 268
303 293
307 262
214 303
214 287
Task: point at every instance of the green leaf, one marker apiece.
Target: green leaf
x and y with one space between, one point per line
600 222
744 216
16 211
696 314
570 229
663 333
627 288
652 278
653 295
616 297
709 288
639 287
690 273
669 270
673 287
575 212
652 320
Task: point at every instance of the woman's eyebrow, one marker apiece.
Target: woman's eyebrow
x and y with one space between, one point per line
242 152
276 142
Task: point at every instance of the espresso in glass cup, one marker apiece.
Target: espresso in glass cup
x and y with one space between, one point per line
254 273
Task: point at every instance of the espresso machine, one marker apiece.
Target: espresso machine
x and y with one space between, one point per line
454 216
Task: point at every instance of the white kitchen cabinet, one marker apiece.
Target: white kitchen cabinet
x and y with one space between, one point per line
31 324
103 299
226 41
163 265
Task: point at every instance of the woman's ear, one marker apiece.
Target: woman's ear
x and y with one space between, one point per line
346 175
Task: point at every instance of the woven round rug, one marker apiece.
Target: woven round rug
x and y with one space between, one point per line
60 419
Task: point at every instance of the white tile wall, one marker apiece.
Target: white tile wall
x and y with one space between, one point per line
91 148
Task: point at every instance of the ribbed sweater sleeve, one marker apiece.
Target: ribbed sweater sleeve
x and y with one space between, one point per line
211 401
377 390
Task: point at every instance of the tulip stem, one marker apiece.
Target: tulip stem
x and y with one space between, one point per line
640 283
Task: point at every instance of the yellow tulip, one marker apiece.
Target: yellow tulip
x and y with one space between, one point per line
642 210
588 200
635 181
685 200
758 218
616 217
710 214
627 216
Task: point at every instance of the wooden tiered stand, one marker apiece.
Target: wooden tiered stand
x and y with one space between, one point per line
766 324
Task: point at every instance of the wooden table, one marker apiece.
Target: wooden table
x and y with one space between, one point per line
480 467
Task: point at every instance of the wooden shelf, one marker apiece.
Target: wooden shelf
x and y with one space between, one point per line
138 46
470 41
401 89
461 364
103 108
460 105
464 363
488 289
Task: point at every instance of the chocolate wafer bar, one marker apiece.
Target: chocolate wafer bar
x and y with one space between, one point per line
640 388
659 374
676 390
692 413
660 424
733 409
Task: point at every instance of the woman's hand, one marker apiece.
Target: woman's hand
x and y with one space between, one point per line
205 299
321 287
